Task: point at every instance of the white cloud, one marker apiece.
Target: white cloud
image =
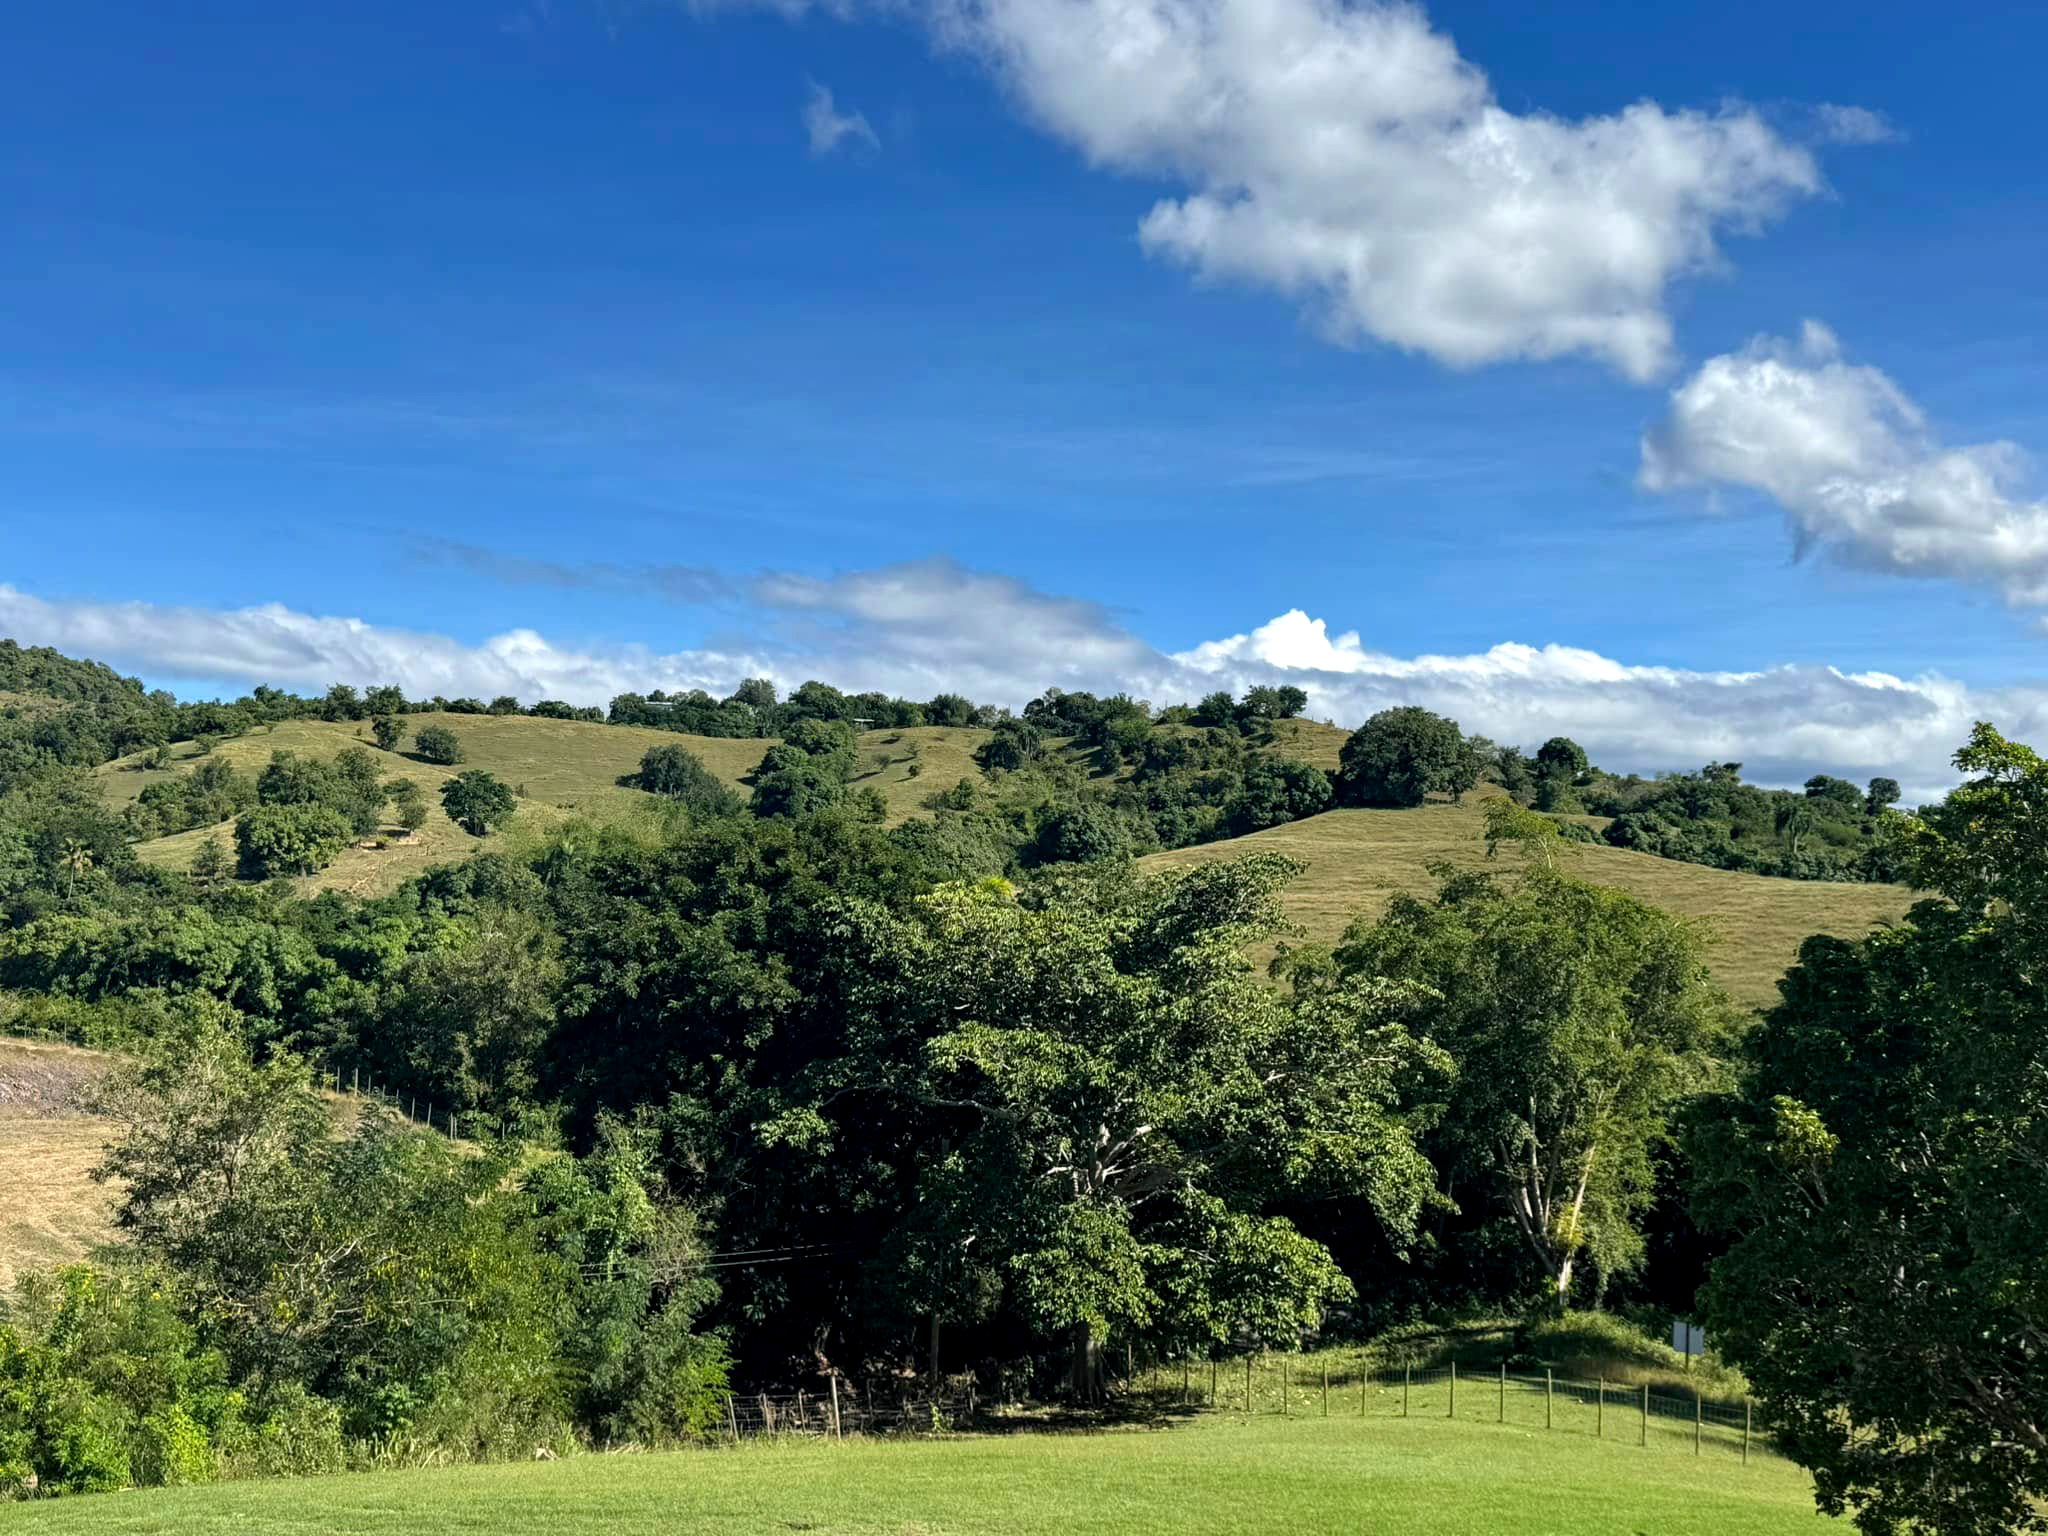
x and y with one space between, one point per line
1854 464
929 626
1347 156
829 128
1854 125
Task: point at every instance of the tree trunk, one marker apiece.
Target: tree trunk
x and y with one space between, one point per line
1084 1367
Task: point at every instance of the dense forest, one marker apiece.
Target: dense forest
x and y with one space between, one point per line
766 1091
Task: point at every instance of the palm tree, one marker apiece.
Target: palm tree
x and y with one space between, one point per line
78 860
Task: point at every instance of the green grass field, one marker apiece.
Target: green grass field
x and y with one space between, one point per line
1358 860
1218 1474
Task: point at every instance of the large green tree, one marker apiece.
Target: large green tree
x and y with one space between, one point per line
1125 1105
1401 755
1882 1182
1578 1017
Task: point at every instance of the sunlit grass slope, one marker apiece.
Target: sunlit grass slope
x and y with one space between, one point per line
1358 860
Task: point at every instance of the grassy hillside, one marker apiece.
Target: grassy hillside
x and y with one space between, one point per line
562 768
1218 1474
1357 860
52 1211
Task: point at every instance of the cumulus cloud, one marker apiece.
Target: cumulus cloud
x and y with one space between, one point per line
1347 156
1854 464
928 626
829 128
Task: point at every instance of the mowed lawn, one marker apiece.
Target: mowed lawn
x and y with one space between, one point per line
1358 860
1207 1478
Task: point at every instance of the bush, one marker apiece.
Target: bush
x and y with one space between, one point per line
436 744
477 802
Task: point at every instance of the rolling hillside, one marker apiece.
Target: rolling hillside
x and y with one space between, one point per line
53 1211
562 769
1357 860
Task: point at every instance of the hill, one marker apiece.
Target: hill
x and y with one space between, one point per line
1358 860
561 768
1216 1474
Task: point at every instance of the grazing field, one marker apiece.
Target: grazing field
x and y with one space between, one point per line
1222 1474
563 769
50 1209
1358 860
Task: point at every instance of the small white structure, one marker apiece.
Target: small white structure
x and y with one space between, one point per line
1688 1339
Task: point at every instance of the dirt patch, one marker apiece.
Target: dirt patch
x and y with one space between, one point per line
41 1079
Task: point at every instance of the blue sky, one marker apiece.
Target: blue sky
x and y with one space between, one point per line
415 326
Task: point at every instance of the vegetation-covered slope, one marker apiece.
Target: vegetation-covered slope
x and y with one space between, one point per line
1357 860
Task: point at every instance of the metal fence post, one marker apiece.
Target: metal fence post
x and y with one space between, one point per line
1247 1383
1326 1389
1283 1385
1503 1392
1698 1420
1407 1374
1548 1396
1454 1391
1365 1392
1186 1370
1745 1431
1644 1439
1600 1413
837 1432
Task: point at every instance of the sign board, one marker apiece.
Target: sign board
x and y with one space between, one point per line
1688 1340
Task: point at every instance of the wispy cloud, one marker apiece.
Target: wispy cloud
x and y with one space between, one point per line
829 128
1854 125
676 583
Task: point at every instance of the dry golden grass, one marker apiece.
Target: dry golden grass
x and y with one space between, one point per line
1358 860
52 1212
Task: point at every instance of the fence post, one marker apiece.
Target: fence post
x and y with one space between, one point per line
1644 1439
1247 1383
1407 1374
1503 1415
1600 1413
767 1415
355 1079
1213 1400
1454 1391
732 1419
1698 1420
837 1432
1548 1396
1745 1431
1365 1392
1284 1386
1326 1389
452 1134
1186 1376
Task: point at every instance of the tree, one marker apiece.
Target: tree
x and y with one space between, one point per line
1399 756
1578 1017
386 699
387 731
436 744
756 693
209 861
503 704
78 864
1276 790
678 774
1563 757
477 802
1082 834
1833 791
1512 769
1124 1106
341 703
1013 744
949 709
1215 710
1881 1181
410 804
276 840
1882 795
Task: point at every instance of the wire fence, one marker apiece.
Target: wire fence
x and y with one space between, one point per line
1653 1417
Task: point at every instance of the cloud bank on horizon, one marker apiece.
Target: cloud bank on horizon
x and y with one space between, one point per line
930 626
